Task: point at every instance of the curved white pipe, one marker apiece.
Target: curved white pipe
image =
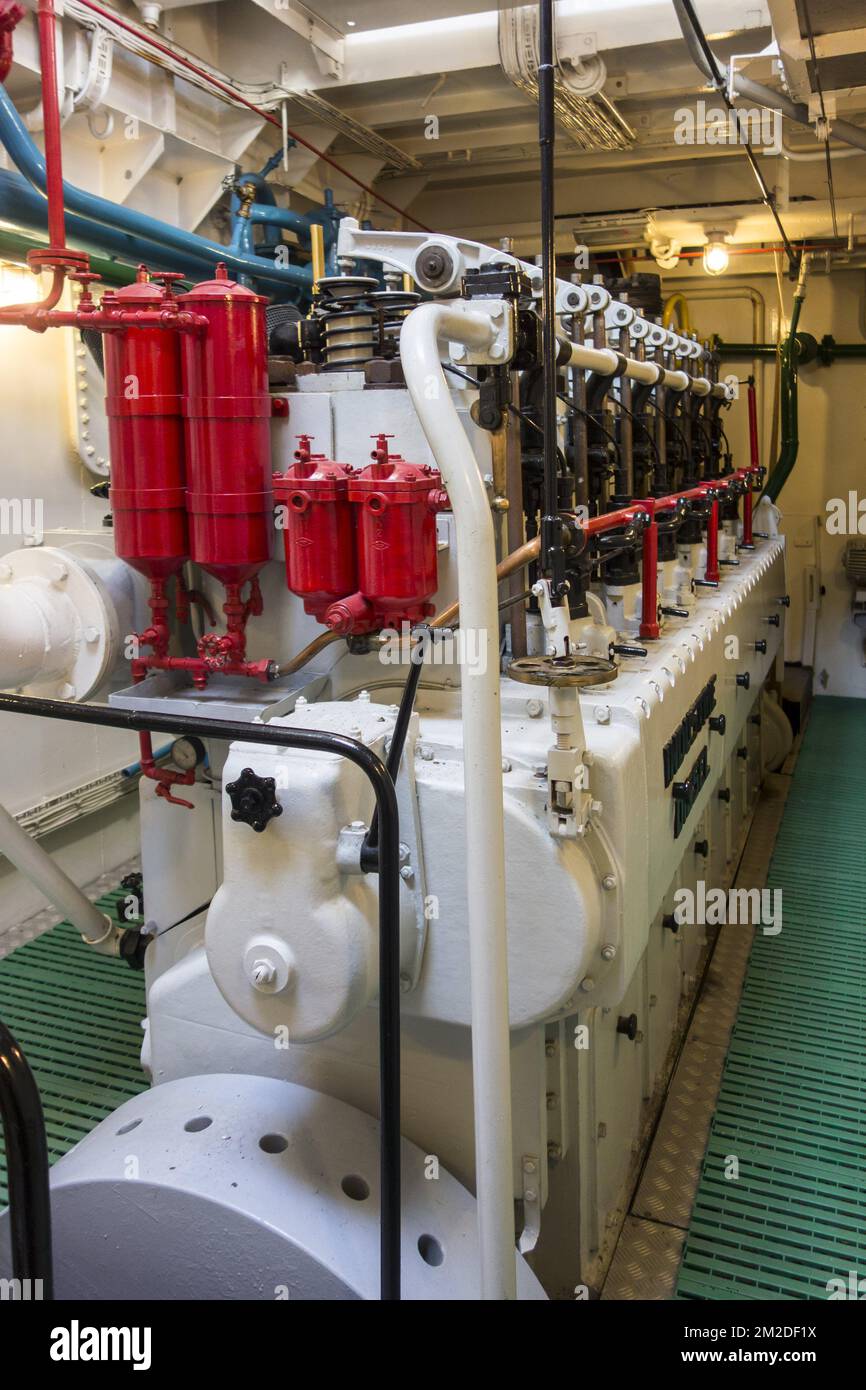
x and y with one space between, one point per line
420 336
35 864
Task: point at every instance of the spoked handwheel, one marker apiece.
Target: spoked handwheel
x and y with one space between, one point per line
562 670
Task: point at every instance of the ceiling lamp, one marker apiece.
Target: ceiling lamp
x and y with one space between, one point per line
716 254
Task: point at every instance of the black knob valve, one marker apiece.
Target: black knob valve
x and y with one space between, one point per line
761 646
702 847
254 799
774 620
784 601
724 793
743 752
670 923
718 723
627 1026
744 680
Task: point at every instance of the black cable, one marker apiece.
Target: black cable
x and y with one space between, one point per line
646 429
27 1166
829 165
593 419
316 740
370 847
550 549
721 88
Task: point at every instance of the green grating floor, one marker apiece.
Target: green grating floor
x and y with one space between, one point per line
77 1016
792 1105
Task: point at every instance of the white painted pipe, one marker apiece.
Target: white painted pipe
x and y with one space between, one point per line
38 632
609 363
420 337
37 865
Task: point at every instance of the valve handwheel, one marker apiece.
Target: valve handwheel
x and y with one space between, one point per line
562 670
254 799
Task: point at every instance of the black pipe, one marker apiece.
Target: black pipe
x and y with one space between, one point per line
552 553
27 1167
389 905
370 847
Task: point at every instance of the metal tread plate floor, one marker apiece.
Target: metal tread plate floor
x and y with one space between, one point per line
791 1110
77 1016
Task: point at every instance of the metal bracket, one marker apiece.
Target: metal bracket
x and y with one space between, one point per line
437 263
501 349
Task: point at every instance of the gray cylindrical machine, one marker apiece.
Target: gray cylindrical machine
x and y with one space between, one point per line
245 1187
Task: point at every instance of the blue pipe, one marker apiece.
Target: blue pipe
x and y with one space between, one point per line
30 161
21 204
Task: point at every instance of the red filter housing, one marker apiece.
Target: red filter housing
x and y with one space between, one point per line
319 531
395 505
228 445
143 402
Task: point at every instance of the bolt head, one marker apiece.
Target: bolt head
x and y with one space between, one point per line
608 883
534 708
263 973
587 984
602 714
608 952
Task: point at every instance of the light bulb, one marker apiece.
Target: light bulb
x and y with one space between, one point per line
716 257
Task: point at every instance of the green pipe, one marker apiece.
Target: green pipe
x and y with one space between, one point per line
790 443
14 246
825 352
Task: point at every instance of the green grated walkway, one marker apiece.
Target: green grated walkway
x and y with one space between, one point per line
77 1016
792 1104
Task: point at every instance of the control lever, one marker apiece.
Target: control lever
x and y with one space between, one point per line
625 649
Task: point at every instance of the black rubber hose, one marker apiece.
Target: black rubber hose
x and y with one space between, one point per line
389 905
27 1168
370 847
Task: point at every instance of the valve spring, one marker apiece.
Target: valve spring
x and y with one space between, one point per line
392 306
348 321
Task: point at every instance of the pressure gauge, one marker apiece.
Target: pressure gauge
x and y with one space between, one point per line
187 753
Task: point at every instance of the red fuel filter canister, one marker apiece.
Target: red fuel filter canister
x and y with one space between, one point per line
146 439
395 506
318 528
227 408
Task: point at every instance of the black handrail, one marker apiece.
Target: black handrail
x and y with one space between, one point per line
315 740
27 1170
